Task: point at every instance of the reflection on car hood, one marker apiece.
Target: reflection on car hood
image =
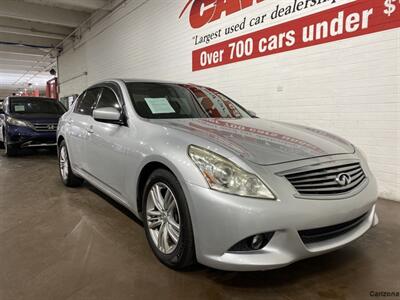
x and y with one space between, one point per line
264 142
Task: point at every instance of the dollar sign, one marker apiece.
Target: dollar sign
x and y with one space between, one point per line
390 7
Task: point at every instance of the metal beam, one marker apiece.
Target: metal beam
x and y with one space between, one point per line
30 32
14 73
19 63
22 50
41 13
86 5
31 40
15 68
35 27
20 57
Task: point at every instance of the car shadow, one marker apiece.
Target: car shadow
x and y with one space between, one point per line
113 203
29 153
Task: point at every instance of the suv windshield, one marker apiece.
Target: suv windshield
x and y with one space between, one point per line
179 101
35 106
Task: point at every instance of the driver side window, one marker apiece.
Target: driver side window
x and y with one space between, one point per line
86 104
108 99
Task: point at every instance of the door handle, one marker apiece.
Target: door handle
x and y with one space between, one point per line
90 130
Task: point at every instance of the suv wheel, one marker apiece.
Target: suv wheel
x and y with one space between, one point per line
167 221
67 176
10 150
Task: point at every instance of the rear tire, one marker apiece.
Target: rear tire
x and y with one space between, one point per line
169 217
66 173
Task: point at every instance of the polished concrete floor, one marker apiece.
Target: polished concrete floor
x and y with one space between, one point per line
60 243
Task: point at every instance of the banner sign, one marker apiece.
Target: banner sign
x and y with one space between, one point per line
350 20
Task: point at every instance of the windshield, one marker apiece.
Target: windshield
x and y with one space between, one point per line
179 101
35 106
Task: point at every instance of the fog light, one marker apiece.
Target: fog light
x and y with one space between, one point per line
252 243
257 242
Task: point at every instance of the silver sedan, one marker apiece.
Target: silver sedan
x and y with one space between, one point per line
213 183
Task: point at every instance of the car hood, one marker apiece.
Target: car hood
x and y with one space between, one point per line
38 118
261 141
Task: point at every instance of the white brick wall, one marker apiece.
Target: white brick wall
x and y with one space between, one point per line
350 87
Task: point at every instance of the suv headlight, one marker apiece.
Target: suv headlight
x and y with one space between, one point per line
17 122
225 176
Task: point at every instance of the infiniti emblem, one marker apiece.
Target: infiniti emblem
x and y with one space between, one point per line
343 179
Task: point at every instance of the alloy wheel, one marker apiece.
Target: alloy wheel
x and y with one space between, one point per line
64 163
163 218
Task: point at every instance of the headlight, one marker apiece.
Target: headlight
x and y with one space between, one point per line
17 122
224 176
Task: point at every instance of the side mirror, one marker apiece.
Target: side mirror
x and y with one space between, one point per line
108 115
252 114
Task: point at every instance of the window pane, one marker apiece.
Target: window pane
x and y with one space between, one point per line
163 101
35 106
216 104
86 106
108 99
178 101
78 102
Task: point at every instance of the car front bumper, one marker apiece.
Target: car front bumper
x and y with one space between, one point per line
222 220
24 137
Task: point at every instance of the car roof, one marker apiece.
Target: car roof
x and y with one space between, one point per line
150 81
131 80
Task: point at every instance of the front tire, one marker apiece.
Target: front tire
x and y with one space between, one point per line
66 173
10 150
167 221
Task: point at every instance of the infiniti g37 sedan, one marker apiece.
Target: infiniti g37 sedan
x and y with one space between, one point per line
213 183
28 122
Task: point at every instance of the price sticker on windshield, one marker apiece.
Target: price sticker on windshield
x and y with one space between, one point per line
159 105
19 108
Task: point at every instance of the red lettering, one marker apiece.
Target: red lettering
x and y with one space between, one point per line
201 12
206 11
227 6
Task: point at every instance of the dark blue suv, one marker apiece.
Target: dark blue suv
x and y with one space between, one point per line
29 122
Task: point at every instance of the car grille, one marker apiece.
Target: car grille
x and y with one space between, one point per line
45 126
325 233
328 180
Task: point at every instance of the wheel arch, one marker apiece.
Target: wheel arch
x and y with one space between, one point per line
144 174
59 140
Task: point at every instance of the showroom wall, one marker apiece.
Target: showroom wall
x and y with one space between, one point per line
330 64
